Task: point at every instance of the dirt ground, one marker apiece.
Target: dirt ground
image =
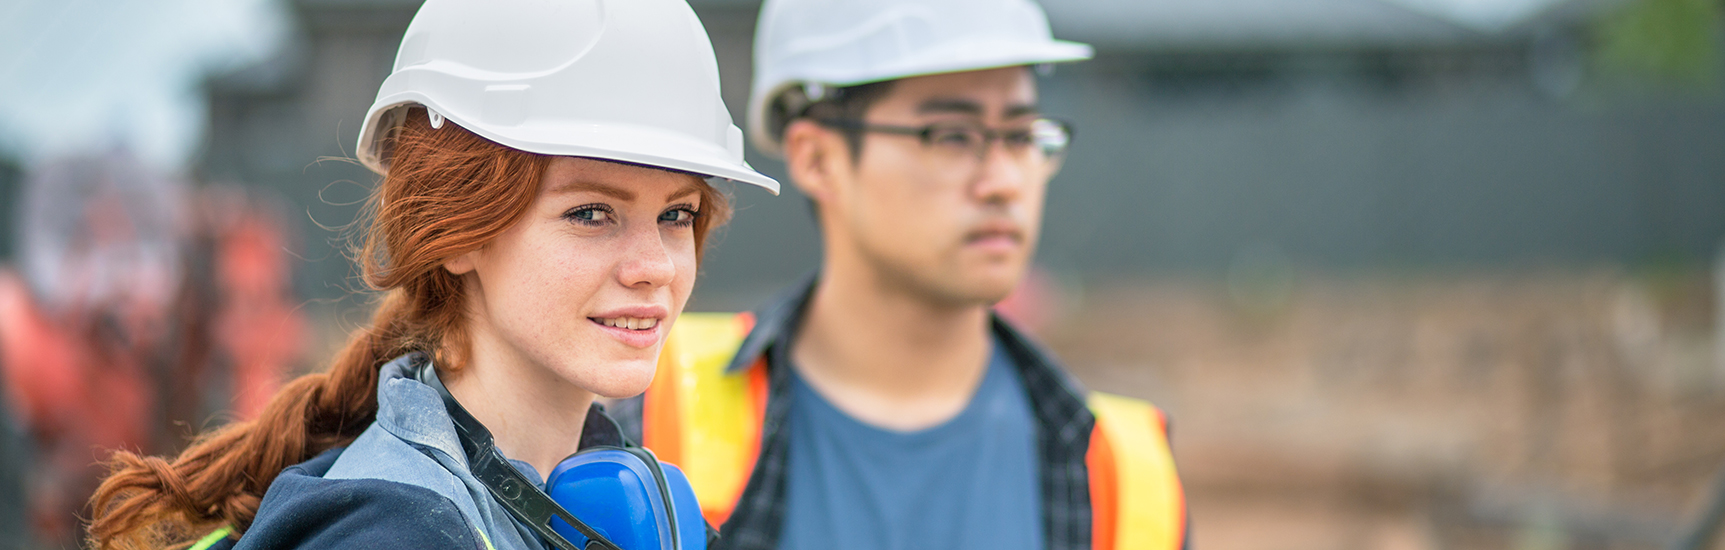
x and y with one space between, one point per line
1534 410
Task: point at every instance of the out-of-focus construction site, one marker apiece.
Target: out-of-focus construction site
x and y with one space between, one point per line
1530 410
1405 274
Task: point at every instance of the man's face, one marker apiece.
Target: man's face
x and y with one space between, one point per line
952 224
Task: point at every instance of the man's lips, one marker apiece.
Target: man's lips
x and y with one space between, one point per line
995 234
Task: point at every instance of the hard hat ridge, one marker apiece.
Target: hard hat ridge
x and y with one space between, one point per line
627 80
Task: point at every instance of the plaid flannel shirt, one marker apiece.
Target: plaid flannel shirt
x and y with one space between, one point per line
1063 425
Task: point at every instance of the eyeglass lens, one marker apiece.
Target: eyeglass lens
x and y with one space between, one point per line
1038 145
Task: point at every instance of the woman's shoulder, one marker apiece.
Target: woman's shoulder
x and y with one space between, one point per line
305 509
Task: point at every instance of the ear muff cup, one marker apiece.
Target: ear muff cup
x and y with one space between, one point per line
616 492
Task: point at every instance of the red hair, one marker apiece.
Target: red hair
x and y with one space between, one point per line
448 192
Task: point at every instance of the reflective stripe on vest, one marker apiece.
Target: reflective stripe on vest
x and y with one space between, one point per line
1135 495
1136 499
691 389
212 538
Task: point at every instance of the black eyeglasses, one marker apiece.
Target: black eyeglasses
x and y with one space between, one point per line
1047 136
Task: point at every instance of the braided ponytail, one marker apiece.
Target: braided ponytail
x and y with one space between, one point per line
150 502
448 191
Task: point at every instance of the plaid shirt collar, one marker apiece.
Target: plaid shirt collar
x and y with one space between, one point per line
1063 425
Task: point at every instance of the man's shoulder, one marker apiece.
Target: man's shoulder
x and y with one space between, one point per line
303 509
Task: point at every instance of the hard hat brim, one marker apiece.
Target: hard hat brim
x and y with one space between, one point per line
956 58
606 141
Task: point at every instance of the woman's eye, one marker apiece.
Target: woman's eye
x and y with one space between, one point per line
679 216
590 215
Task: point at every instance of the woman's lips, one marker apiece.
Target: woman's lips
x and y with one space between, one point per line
634 326
631 331
633 323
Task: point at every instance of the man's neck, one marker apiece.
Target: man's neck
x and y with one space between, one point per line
886 356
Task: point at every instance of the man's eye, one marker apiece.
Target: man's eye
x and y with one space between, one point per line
1018 138
954 137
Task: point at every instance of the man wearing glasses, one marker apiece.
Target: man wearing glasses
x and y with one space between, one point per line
882 404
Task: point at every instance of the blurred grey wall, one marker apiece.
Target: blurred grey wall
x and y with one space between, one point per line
11 194
1334 134
1371 160
290 123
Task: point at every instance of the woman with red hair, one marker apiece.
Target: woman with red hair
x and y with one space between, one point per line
546 192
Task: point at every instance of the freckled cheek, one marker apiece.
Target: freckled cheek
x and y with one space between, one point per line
683 257
562 285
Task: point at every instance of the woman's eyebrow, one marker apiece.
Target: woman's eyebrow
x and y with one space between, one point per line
576 186
684 192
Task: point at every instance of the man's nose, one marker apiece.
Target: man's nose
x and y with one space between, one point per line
1001 175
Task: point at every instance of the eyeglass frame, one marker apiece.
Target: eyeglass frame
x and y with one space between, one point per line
925 133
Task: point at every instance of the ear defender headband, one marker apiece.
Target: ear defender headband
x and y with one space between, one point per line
633 501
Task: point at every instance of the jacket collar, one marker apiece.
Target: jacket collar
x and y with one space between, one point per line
779 318
413 411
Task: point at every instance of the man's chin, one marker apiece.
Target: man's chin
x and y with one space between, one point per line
958 283
978 292
993 284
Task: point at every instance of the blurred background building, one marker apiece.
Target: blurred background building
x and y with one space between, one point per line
1335 134
1406 273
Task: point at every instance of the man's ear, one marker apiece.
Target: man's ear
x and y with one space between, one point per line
460 265
813 155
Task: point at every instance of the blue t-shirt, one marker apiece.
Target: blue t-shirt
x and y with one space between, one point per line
969 483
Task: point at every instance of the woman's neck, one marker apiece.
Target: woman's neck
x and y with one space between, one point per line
535 415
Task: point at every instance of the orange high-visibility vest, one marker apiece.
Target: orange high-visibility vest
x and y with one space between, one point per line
708 422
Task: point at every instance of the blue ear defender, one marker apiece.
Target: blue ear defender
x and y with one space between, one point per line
601 498
616 489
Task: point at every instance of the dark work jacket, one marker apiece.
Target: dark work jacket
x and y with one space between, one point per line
404 483
304 510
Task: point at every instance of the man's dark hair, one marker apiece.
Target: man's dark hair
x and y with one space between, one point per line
847 103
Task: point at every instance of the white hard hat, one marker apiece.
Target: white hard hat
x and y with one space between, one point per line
850 42
626 80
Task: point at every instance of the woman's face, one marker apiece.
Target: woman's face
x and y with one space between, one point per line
582 290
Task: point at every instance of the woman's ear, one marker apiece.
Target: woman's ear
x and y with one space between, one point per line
812 154
460 265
